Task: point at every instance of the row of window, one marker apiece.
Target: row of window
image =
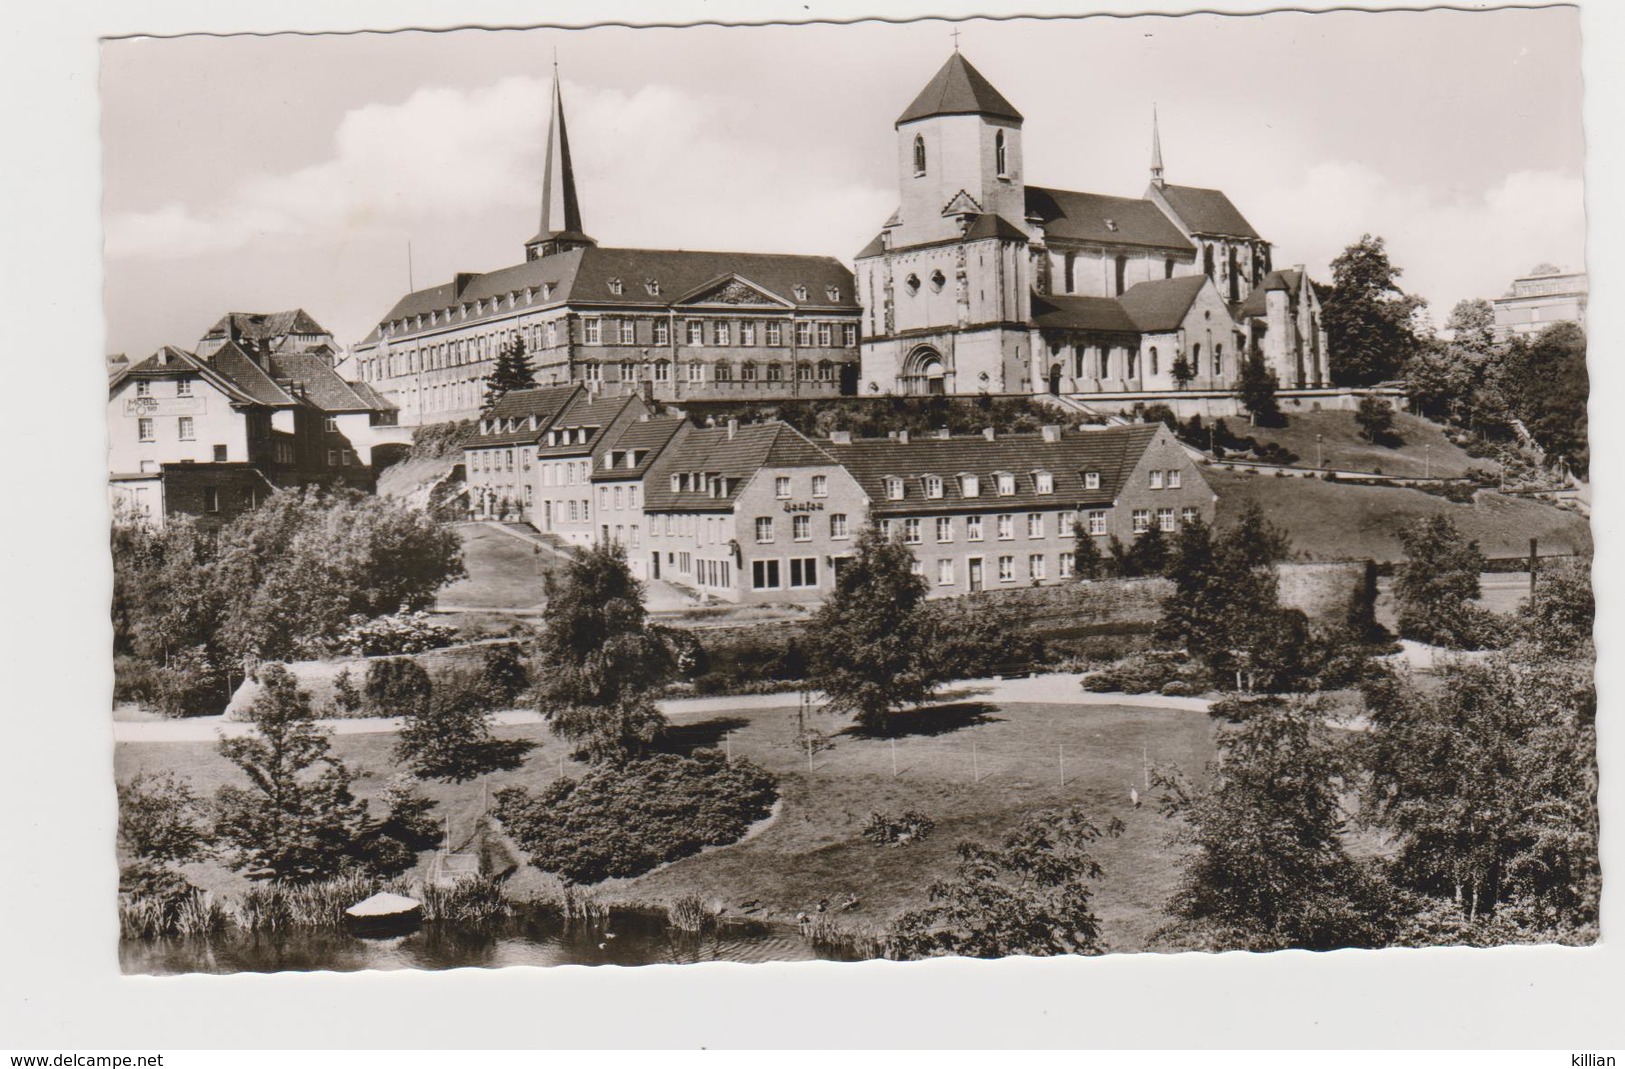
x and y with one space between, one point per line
801 573
801 528
1130 362
721 371
1037 568
624 497
721 332
183 388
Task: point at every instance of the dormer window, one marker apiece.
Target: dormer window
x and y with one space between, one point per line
970 486
933 486
1007 484
801 293
552 438
1043 482
1091 480
833 293
1111 224
919 155
894 488
676 483
547 291
652 286
615 286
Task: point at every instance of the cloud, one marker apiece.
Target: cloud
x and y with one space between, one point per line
656 166
1451 243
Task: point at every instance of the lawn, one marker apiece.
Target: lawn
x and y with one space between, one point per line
1343 521
1422 449
504 572
972 768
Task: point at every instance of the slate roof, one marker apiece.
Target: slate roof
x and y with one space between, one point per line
584 276
323 387
1111 451
958 89
736 460
1091 217
587 410
647 436
543 402
233 363
262 326
1162 304
1208 211
375 400
1082 313
1254 305
170 360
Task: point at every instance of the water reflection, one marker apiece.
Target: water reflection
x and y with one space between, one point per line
533 938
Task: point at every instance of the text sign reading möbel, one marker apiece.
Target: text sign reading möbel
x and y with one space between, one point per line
163 406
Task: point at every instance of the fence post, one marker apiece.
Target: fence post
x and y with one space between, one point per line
1534 564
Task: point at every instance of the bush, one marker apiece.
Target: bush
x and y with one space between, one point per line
403 632
1154 670
1178 688
135 679
623 820
1238 709
395 686
911 827
191 684
346 699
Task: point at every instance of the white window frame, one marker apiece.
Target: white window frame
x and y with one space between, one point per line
973 528
146 429
1176 478
1141 520
801 527
945 529
592 331
629 332
1035 525
1036 568
1097 522
838 526
1007 568
911 531
694 331
894 488
820 486
933 486
1091 480
1156 478
945 571
781 486
764 526
1165 520
1007 527
186 428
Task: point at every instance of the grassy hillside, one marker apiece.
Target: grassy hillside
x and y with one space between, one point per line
1342 447
504 572
1331 521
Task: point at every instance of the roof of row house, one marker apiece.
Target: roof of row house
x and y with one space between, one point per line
591 411
733 454
959 89
276 380
264 326
1155 307
171 361
643 278
1255 304
1113 452
1096 218
314 379
645 440
543 402
1208 211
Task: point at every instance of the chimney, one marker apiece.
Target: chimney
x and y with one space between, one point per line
989 433
1052 433
942 433
902 437
648 391
840 437
733 429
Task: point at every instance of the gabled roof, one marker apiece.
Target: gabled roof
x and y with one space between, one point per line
1207 211
375 400
233 363
1082 313
736 459
170 361
263 326
543 402
958 89
646 436
584 276
1111 451
1162 304
323 387
1094 217
1255 305
588 410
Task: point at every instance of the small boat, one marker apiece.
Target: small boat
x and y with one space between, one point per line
384 914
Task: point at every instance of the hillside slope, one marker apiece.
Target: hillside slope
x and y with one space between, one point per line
1340 521
1423 448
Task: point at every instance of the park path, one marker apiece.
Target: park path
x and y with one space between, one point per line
1058 688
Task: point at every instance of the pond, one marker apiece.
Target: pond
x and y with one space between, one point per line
534 938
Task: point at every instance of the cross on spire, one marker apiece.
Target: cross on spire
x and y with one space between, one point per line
955 36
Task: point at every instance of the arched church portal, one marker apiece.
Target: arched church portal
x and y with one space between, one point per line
924 372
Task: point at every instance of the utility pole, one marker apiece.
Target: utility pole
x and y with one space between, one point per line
1062 750
1534 564
894 757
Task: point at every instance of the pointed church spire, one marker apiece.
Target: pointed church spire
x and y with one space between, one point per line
561 214
1156 151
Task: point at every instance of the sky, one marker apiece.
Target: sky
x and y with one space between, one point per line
262 173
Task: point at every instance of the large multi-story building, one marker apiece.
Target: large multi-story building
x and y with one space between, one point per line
211 435
1538 300
982 283
672 324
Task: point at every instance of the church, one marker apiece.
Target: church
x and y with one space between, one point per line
980 283
669 325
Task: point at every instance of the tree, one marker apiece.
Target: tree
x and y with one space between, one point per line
1441 379
1182 370
870 656
1556 620
298 819
1270 871
448 737
1368 318
1437 584
1087 560
1375 418
512 371
1472 327
294 570
1147 555
1547 386
396 686
1255 388
1031 894
406 830
160 818
598 661
1489 784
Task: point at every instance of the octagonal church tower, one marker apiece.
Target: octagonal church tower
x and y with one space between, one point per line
946 285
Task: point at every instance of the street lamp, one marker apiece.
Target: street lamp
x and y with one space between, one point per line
1318 462
1427 462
